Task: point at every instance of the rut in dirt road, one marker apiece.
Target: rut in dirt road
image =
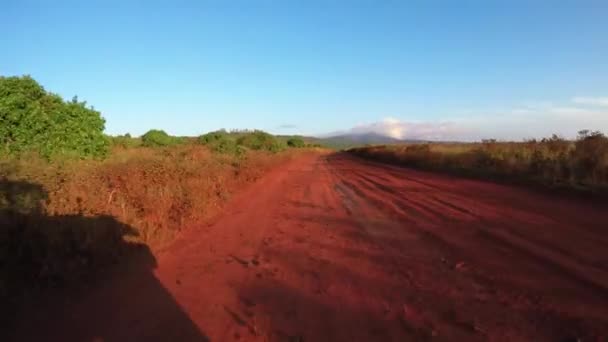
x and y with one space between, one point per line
334 248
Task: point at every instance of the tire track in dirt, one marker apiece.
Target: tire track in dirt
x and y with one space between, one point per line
527 248
419 322
537 248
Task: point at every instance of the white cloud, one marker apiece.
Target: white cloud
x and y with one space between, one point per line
592 101
396 128
531 120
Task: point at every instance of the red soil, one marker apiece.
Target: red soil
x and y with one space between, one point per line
330 247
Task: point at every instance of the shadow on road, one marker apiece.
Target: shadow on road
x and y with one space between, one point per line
76 277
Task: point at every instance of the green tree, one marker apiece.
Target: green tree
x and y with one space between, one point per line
260 140
32 119
295 142
221 142
157 138
212 137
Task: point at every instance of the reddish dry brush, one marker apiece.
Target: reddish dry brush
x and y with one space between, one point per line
157 191
581 164
64 219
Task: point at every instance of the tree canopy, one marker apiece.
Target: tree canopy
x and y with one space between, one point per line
157 138
34 120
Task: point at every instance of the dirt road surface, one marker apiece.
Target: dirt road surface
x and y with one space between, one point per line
333 248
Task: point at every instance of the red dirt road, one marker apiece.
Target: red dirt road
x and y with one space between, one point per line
333 248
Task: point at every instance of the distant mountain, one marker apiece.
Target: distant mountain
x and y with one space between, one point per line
349 140
364 138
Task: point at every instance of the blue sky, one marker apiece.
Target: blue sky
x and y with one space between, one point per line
444 70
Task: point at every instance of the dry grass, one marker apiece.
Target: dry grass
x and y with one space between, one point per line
63 219
581 164
157 191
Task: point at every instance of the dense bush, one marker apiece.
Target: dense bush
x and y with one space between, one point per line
259 140
552 161
157 138
237 142
34 120
221 142
296 142
212 137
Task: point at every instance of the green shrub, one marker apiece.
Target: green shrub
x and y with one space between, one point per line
237 142
34 120
227 146
221 142
157 138
259 140
296 142
213 137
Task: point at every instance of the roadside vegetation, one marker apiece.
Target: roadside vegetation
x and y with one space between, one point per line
240 141
35 120
74 200
581 164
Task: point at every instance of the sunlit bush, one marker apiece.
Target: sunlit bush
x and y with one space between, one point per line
157 138
259 140
34 120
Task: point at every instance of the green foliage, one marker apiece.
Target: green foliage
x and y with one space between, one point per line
34 120
221 142
296 142
237 142
260 140
157 138
227 146
212 137
125 141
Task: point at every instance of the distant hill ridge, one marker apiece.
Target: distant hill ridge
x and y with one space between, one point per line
359 139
